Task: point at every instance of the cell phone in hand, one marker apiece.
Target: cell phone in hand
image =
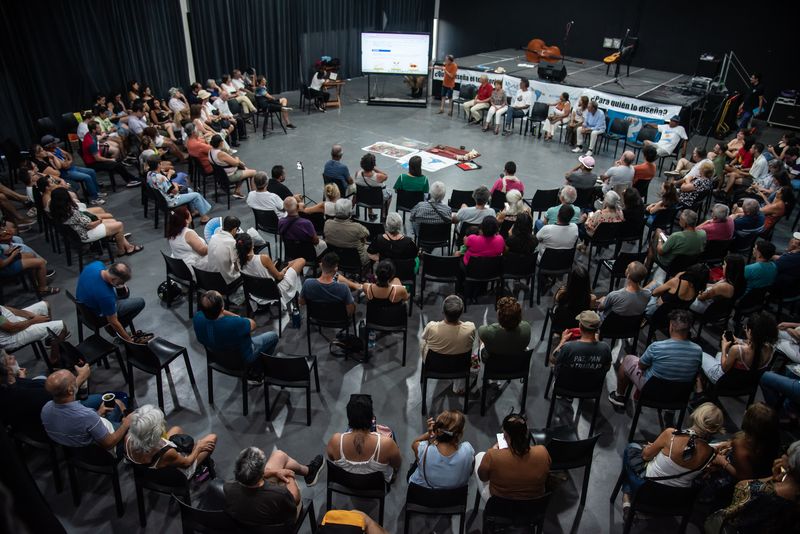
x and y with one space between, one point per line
663 237
501 441
728 335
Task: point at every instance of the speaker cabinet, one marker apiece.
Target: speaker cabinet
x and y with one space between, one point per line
553 73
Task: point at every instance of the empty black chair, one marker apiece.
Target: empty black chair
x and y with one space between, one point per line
262 289
426 501
388 317
327 315
371 486
181 274
506 367
94 348
617 131
501 514
168 481
642 186
37 438
465 94
406 200
538 115
520 267
229 362
645 134
715 251
445 366
267 221
286 372
152 358
211 281
93 459
442 269
616 327
656 499
554 262
567 455
605 235
661 395
616 267
368 197
579 384
498 201
432 236
630 232
543 200
482 270
375 229
460 197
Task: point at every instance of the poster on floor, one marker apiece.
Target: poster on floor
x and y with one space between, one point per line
390 150
430 162
410 143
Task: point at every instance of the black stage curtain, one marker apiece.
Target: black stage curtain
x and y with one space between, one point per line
57 55
283 38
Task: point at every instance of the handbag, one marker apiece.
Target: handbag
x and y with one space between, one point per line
184 443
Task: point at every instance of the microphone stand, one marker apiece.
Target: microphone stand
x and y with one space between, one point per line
303 180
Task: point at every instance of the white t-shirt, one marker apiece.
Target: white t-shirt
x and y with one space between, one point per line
228 88
264 200
317 82
670 137
136 124
222 107
237 83
222 257
760 167
522 99
695 170
176 104
83 129
557 236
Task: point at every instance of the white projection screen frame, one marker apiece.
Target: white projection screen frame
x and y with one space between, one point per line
395 53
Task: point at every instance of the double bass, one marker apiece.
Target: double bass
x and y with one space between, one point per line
537 51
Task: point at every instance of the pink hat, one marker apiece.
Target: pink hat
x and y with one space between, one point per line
587 161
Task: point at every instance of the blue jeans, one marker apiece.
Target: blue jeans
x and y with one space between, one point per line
84 176
265 343
195 201
744 120
129 308
22 246
514 113
94 401
781 391
632 480
537 225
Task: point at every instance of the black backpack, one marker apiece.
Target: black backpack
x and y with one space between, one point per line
168 291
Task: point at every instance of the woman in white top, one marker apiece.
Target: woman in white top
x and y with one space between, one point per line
184 242
361 450
233 166
560 115
331 194
228 86
262 266
315 90
370 176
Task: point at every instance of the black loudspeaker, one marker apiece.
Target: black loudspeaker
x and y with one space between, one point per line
708 67
554 73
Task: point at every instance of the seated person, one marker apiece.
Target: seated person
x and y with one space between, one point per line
508 180
361 450
744 177
676 359
497 107
488 243
330 287
788 264
219 330
777 207
620 176
567 196
514 206
581 176
234 168
473 215
687 242
148 444
330 194
184 243
221 104
74 424
264 491
586 353
729 288
222 257
413 180
444 460
370 176
262 199
98 288
317 92
763 271
684 166
510 335
165 144
646 170
611 212
559 115
52 157
15 260
198 147
266 100
20 327
748 217
720 226
343 232
387 286
173 192
518 470
450 336
679 291
751 452
276 184
482 101
228 86
338 171
262 266
393 244
668 198
691 188
631 300
431 211
672 135
520 238
674 452
560 236
757 348
292 227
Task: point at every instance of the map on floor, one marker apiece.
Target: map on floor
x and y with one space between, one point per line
410 143
390 150
430 162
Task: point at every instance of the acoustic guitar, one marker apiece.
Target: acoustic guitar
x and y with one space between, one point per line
616 56
537 51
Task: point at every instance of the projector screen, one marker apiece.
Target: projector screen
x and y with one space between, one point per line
395 53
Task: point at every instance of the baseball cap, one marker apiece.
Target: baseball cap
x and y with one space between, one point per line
48 140
587 161
202 94
796 235
588 319
674 118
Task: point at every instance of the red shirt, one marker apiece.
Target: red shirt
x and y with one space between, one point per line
484 92
450 75
745 157
89 149
199 149
644 171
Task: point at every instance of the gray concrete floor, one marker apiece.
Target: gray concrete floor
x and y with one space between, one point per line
395 389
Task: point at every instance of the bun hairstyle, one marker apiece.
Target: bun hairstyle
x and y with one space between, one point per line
449 427
516 428
244 244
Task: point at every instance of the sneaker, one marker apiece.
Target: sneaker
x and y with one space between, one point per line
315 467
672 174
577 149
50 273
97 202
616 400
589 153
237 195
133 183
32 212
291 126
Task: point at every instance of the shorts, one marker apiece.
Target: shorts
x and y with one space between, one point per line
447 92
98 232
236 177
630 364
15 267
661 151
712 367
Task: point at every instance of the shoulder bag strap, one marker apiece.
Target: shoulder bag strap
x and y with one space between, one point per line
680 475
442 217
157 456
423 464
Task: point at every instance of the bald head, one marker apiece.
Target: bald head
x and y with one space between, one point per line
628 157
290 206
61 385
336 152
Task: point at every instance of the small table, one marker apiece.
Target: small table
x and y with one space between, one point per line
337 84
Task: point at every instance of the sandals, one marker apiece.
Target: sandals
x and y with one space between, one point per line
136 248
49 291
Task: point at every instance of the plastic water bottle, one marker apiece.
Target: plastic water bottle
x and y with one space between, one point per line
373 335
296 319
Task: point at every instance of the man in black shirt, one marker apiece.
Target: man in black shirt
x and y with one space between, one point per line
753 102
586 353
265 492
275 184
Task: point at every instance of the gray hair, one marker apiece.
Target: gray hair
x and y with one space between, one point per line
750 206
394 223
174 91
211 81
260 180
147 427
481 195
438 191
568 194
720 212
689 217
336 151
249 467
514 203
343 209
793 459
611 200
189 129
452 307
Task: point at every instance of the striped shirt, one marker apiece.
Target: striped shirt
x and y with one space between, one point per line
672 359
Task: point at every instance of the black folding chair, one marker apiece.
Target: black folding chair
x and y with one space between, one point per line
560 318
617 131
664 219
406 200
267 221
93 459
656 499
439 502
368 197
498 201
263 289
286 372
715 251
717 315
317 219
349 260
432 236
94 348
152 358
73 242
327 315
211 281
642 187
616 267
645 134
605 235
167 481
229 362
36 438
503 515
179 272
661 395
616 327
375 229
579 384
371 486
460 197
521 268
737 383
543 200
445 366
481 270
630 232
566 455
441 269
585 198
404 270
387 317
506 367
554 262
538 115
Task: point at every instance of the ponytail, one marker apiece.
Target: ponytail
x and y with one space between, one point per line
244 244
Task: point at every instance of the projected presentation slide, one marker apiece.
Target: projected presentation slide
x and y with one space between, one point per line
394 53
